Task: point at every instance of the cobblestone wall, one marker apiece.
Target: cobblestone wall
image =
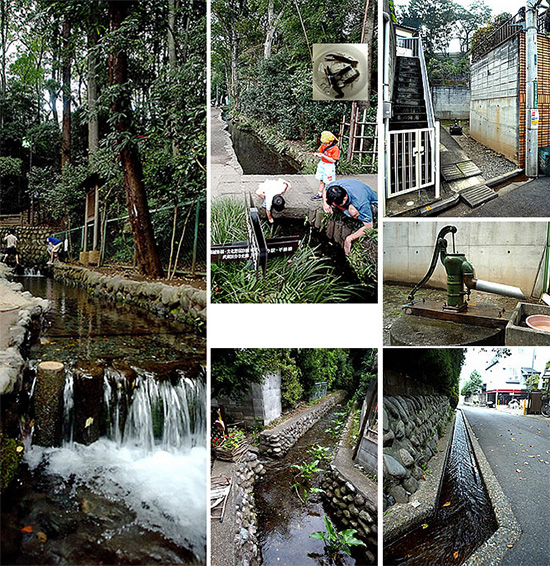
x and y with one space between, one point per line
183 303
31 244
277 442
412 427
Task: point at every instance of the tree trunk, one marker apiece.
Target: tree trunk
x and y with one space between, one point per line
272 22
171 27
66 133
147 257
93 124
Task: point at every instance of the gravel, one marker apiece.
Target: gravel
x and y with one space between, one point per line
491 163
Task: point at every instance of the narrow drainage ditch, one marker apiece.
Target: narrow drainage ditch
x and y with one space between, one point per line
137 494
284 522
256 158
464 518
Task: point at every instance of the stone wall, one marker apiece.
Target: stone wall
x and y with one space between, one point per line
183 303
451 102
276 442
32 244
262 402
412 427
352 497
495 105
247 550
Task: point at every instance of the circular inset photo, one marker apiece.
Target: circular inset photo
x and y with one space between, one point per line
340 71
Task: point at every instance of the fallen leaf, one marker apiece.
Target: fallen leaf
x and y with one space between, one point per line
89 422
523 479
41 536
525 463
447 504
27 529
425 526
19 449
510 545
455 555
518 471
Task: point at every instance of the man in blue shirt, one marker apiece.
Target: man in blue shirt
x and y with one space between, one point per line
354 199
54 246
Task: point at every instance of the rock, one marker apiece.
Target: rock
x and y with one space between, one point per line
406 458
399 494
399 430
388 438
393 467
410 484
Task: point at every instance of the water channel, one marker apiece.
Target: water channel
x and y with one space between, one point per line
137 495
464 517
284 522
256 158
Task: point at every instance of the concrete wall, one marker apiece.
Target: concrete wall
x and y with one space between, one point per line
501 252
262 402
451 102
494 107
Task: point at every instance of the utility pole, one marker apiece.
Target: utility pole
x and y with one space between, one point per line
531 85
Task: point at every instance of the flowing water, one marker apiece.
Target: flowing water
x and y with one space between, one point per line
284 522
464 518
258 159
137 495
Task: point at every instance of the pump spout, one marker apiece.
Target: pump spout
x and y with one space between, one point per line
496 288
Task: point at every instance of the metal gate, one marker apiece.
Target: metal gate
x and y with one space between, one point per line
412 157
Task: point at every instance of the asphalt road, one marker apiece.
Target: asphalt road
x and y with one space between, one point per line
511 443
530 199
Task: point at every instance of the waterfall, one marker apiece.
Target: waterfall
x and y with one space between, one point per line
68 409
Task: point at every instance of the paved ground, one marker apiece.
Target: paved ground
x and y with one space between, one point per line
222 535
227 178
510 443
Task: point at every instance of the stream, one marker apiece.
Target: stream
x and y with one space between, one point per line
284 523
464 518
137 494
256 158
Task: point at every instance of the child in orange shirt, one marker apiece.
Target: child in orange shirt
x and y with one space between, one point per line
328 153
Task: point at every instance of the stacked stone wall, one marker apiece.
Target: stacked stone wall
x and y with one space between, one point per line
31 244
277 442
247 550
412 427
183 303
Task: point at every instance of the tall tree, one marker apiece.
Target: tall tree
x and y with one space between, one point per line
147 257
66 58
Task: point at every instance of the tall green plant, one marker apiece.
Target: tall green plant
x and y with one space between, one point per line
336 542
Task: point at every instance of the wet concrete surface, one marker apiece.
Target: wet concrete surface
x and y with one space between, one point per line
511 443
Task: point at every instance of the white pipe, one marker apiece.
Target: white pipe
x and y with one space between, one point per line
498 289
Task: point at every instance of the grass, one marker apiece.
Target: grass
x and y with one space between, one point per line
304 277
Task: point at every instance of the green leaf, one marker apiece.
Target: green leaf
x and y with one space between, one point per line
318 535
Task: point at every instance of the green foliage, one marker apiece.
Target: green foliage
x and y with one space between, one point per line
307 469
10 166
532 382
11 455
363 258
437 368
291 388
336 542
320 452
305 277
483 34
473 385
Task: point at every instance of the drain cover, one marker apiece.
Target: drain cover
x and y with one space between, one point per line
477 195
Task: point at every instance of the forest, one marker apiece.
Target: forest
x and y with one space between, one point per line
262 66
112 90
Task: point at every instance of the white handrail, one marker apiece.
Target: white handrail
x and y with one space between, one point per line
426 85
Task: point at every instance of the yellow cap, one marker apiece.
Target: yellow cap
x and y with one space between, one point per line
327 137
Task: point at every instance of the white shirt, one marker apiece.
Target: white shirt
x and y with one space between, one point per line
11 241
271 188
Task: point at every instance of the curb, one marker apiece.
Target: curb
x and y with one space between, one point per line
495 547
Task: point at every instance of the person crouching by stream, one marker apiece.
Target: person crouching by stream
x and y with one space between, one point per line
328 153
272 192
356 200
54 247
11 246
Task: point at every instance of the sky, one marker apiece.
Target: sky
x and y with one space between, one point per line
479 360
498 6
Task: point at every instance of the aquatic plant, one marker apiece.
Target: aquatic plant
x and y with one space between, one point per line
304 277
335 541
307 493
320 452
307 469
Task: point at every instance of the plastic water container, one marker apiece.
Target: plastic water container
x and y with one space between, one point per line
544 161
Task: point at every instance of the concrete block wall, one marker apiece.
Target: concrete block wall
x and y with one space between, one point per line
367 455
451 102
507 253
266 398
494 107
412 425
276 442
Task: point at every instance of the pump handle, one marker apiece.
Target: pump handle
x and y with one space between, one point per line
440 247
